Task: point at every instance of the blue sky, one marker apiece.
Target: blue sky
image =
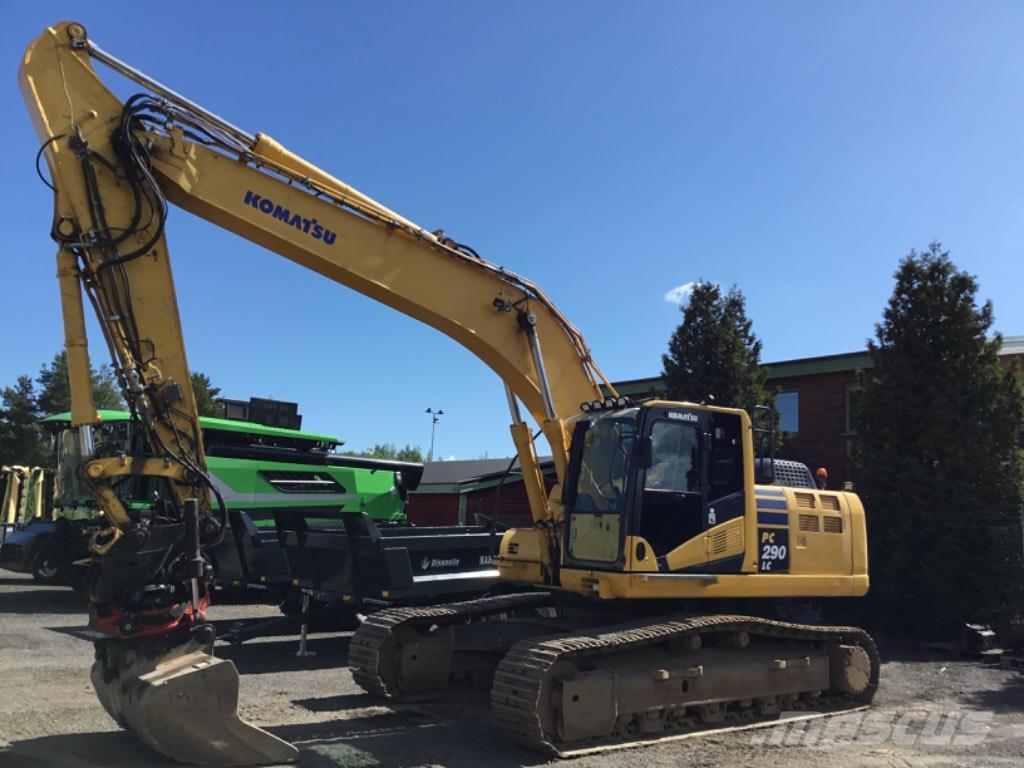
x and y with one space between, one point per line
610 151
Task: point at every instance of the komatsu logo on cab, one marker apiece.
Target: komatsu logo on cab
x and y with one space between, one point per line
297 220
677 416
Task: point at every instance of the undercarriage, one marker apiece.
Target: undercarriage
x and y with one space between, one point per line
565 682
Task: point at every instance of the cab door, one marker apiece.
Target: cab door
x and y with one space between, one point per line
671 498
600 475
690 496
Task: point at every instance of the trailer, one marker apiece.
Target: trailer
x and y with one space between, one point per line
341 572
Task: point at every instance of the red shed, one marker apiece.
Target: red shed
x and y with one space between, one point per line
453 492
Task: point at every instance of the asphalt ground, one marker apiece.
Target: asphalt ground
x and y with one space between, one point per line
931 710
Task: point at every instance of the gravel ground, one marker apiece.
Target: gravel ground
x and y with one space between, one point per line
49 715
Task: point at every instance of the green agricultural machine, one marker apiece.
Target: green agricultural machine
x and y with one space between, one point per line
303 521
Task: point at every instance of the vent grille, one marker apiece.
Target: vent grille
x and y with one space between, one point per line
788 473
833 524
303 482
829 502
809 523
804 500
719 542
722 540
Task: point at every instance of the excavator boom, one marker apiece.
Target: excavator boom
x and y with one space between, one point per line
115 166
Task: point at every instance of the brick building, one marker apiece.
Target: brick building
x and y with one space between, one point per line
817 397
454 492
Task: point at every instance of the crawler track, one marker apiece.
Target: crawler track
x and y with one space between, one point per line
522 692
521 679
367 655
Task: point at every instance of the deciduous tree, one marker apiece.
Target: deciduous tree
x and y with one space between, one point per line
390 451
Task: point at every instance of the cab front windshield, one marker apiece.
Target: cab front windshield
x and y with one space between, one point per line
608 445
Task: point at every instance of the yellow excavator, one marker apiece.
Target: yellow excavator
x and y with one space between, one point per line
641 601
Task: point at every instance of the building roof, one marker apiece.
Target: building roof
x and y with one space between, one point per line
453 476
1012 345
806 366
445 472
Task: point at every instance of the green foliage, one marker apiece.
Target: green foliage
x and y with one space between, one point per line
206 395
106 392
55 394
713 355
390 451
410 453
55 389
21 438
939 463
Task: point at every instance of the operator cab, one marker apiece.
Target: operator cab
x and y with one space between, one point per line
109 437
662 473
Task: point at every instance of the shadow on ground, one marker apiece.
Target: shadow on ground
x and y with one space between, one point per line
390 740
902 650
16 581
1007 697
42 600
266 657
406 739
116 749
340 702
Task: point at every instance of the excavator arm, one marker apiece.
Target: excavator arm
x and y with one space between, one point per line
115 166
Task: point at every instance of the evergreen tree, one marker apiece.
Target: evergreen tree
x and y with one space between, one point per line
106 392
713 355
55 388
206 395
21 437
939 462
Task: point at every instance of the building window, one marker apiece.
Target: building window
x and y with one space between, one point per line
788 406
851 394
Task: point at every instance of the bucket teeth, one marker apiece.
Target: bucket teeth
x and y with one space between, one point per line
182 702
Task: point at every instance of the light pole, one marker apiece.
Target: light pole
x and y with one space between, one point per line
435 417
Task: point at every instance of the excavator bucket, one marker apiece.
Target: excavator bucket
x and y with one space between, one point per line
183 703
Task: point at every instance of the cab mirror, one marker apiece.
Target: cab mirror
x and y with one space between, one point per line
644 452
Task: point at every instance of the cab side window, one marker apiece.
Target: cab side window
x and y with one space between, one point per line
725 474
672 502
675 458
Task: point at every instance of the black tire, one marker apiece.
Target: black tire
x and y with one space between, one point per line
46 572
